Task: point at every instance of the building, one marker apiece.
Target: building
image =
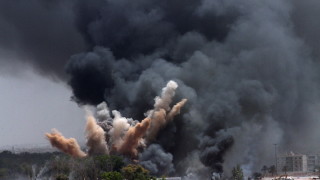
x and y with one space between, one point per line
292 163
313 162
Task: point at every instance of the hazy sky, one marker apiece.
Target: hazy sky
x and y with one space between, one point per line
32 105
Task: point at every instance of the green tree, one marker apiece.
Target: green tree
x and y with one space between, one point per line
135 172
106 163
60 165
272 170
3 172
237 173
26 169
264 170
117 163
85 168
62 177
111 176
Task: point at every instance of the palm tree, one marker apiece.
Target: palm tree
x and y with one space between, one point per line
264 170
272 170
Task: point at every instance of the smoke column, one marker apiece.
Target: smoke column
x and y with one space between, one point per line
69 146
103 112
158 120
163 102
125 135
95 137
119 127
158 115
133 137
176 109
250 71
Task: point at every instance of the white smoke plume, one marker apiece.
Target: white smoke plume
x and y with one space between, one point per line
161 113
163 102
103 112
95 137
119 127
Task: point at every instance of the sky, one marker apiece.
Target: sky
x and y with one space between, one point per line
32 105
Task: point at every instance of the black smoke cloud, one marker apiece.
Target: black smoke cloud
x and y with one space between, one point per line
41 33
133 28
249 70
91 75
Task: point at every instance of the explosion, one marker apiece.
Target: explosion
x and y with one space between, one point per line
250 71
68 146
95 137
123 136
133 137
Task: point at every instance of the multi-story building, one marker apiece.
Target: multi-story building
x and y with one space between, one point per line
313 162
292 163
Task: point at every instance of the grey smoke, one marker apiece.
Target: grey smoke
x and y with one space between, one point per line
41 33
156 160
248 68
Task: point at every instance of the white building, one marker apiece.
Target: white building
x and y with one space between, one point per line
313 162
292 163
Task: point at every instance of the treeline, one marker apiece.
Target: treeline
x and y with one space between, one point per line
61 167
22 164
103 167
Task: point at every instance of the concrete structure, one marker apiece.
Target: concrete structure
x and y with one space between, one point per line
292 178
292 163
313 162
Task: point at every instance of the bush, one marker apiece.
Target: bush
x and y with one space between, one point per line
111 176
135 172
3 172
62 177
109 163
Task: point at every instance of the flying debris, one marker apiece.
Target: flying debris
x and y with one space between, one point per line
119 134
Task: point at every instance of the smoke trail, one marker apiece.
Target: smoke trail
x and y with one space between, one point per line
69 146
133 137
158 120
95 137
159 115
119 127
163 102
176 109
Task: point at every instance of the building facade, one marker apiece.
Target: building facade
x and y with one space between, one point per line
313 163
292 163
